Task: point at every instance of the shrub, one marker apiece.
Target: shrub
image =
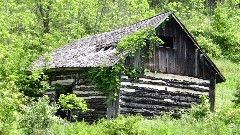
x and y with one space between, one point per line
129 125
9 111
201 110
71 102
38 116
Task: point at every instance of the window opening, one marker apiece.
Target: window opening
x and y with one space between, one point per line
168 41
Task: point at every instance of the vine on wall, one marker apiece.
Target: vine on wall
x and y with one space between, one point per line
107 79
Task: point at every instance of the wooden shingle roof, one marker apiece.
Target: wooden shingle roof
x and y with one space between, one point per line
97 50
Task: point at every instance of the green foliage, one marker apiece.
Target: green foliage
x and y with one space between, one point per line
28 32
214 123
38 116
225 91
71 101
201 110
33 28
232 116
211 124
122 125
10 102
118 13
139 40
208 46
133 72
77 128
105 78
237 95
60 88
129 125
226 30
34 85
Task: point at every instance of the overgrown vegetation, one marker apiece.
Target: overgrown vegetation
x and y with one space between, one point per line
38 117
32 28
71 102
237 95
106 79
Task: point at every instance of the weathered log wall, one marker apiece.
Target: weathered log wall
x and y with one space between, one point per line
155 93
97 102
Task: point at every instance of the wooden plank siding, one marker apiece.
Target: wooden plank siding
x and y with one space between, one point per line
183 58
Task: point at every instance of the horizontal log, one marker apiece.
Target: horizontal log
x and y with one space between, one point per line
62 77
145 106
155 102
152 100
84 88
142 91
94 100
89 95
143 112
97 106
182 86
170 80
93 97
180 78
159 96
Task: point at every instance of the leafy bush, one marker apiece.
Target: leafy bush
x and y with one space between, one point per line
9 111
201 110
123 125
71 102
38 116
35 84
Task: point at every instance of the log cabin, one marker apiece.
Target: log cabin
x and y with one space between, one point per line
178 72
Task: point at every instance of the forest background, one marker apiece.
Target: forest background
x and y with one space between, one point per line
32 28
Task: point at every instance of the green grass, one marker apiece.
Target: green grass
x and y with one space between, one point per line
213 124
226 90
189 126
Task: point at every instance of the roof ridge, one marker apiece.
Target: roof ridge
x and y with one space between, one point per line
98 34
74 53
